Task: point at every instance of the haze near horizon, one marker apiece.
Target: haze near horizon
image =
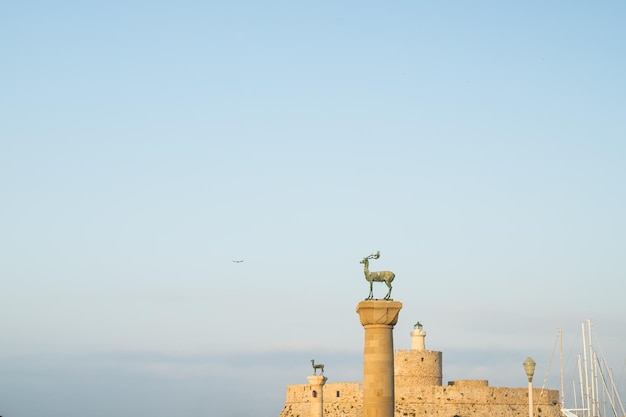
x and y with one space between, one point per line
146 146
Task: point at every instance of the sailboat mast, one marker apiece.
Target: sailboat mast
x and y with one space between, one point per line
580 381
586 392
595 391
594 374
561 362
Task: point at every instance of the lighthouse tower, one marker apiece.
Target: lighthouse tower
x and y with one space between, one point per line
417 337
418 366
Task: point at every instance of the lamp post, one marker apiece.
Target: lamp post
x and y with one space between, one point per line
529 367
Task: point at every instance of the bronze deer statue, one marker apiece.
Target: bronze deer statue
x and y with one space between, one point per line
316 367
378 276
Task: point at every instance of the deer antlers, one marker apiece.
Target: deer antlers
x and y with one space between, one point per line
374 255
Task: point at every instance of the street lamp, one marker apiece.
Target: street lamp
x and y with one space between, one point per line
529 367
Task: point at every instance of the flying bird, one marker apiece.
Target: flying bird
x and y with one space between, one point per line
238 262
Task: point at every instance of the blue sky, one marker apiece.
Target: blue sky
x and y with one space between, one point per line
145 145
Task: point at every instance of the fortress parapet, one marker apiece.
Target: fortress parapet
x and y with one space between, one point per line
470 383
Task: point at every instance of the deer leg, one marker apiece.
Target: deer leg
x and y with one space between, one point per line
371 291
388 292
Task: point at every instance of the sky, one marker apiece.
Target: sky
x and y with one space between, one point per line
145 146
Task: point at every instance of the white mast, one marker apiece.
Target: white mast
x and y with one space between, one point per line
594 375
595 392
598 392
574 390
580 381
586 395
561 362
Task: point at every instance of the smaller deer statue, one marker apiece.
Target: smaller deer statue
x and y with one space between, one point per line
378 276
316 367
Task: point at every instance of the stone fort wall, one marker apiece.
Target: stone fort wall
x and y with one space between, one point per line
417 367
467 399
342 399
419 392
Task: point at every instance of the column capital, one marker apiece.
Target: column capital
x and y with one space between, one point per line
383 312
317 379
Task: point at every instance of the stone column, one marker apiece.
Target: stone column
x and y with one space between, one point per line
317 394
378 318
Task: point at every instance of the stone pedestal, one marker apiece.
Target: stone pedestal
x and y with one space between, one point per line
317 394
378 318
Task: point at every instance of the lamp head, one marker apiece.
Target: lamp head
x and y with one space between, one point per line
529 367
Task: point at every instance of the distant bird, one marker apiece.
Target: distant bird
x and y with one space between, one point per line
238 262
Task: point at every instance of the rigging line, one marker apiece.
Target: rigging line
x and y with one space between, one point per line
570 367
624 371
545 380
597 345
